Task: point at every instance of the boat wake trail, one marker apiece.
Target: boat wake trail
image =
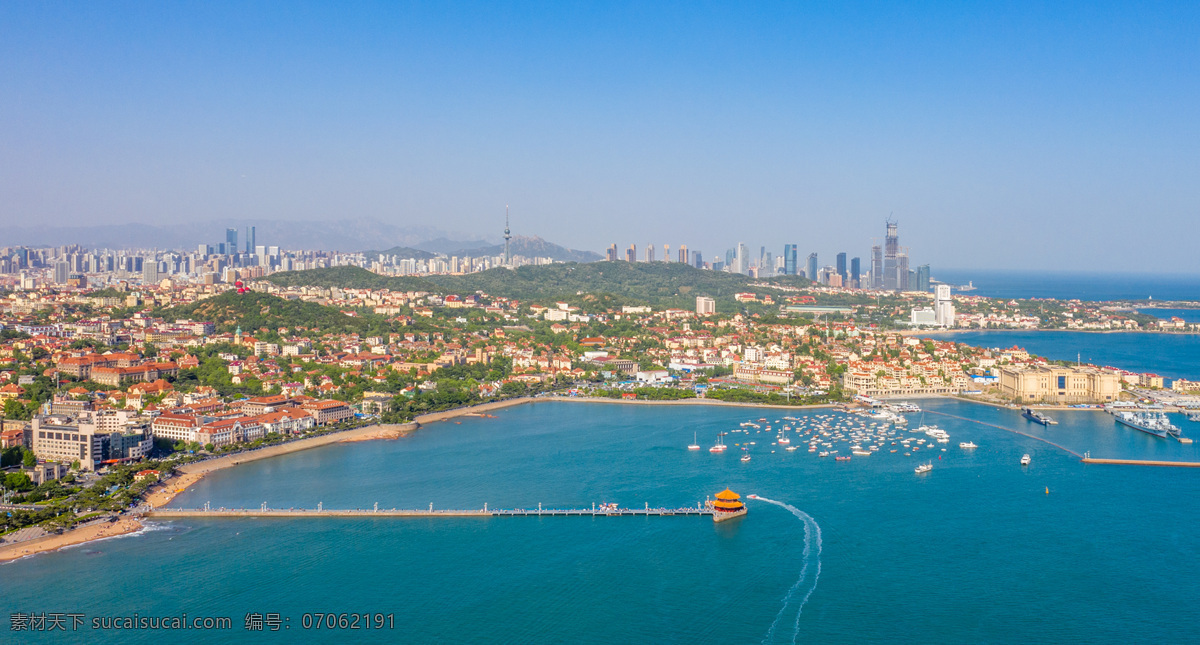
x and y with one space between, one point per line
812 559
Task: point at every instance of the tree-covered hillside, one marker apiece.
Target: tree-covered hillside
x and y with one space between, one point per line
256 310
659 284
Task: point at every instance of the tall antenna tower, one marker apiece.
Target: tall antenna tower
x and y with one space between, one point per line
507 237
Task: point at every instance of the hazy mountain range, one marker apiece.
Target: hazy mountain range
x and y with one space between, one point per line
340 235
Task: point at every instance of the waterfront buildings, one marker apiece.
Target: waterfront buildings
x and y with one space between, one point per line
941 314
1058 384
943 305
90 437
923 317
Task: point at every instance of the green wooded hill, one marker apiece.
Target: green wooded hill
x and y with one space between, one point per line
254 310
659 284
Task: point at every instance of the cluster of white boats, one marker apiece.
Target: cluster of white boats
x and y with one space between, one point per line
842 436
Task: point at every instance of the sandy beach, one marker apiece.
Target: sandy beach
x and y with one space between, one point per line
473 410
74 536
382 433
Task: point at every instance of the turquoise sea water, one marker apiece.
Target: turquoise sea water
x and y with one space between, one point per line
1170 355
974 551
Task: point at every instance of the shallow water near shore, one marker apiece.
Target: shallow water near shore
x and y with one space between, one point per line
973 551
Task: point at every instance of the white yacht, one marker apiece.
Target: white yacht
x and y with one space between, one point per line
1025 459
967 445
694 445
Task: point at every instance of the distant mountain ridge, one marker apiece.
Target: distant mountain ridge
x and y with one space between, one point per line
532 247
342 234
403 252
345 235
448 247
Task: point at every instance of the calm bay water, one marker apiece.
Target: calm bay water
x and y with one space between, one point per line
1171 355
975 551
1188 315
1067 285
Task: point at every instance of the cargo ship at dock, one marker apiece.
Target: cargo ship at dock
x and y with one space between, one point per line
1155 423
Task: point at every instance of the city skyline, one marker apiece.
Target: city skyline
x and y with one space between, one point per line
621 122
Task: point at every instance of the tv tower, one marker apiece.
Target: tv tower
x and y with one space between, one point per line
507 237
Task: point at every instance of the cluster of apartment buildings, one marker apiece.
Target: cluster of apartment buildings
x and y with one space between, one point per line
72 430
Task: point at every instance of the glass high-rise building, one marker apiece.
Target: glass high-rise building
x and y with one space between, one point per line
841 268
877 267
790 259
856 273
231 246
811 273
923 277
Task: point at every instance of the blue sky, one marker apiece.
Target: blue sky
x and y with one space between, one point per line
1039 136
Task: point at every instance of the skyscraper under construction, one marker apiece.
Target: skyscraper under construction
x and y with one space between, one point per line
895 261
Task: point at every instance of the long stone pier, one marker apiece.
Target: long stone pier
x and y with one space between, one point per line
603 511
1142 462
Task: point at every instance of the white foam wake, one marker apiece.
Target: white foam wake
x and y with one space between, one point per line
812 538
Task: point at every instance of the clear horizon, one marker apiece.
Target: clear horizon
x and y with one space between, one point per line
1039 138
